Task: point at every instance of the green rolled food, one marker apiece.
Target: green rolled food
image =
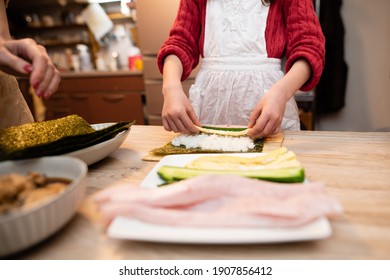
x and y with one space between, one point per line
54 137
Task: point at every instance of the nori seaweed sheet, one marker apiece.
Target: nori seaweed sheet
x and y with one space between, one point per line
169 149
54 137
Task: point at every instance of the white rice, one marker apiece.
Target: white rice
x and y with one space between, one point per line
214 142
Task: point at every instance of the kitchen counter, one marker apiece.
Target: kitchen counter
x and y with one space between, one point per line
97 74
354 165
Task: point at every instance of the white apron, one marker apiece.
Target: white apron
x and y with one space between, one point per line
235 71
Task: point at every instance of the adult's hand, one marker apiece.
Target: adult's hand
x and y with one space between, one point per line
26 57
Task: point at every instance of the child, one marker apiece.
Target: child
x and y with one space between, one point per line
240 81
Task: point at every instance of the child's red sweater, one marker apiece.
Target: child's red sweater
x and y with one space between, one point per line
292 30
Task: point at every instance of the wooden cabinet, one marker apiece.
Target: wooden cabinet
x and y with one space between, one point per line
99 99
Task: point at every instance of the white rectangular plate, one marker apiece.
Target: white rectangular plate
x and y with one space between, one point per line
125 228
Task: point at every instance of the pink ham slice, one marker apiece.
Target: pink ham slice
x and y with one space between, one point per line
221 200
203 188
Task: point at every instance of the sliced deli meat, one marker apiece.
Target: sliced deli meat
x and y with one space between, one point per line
205 187
220 200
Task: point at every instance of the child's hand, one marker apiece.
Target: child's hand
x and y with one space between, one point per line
266 117
178 114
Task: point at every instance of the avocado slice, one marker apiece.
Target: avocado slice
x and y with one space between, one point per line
283 175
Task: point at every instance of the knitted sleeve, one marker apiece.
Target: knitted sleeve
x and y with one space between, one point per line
304 38
183 38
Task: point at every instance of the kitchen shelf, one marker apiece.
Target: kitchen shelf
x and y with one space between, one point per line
55 28
119 16
65 45
61 40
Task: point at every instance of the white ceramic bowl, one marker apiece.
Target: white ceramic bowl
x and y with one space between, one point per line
21 229
99 151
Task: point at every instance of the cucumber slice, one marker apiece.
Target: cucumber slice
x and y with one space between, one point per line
284 175
225 128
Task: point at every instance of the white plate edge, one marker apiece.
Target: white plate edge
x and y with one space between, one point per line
82 153
104 143
125 228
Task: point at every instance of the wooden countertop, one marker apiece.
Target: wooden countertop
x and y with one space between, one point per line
355 166
93 74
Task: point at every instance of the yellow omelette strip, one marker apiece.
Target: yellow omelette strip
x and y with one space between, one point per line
236 166
276 159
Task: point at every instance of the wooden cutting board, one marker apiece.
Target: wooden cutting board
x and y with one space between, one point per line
270 143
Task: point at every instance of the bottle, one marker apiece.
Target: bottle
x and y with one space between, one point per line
69 62
100 64
115 62
85 58
135 59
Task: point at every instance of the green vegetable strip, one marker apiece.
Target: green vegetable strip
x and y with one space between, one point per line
225 128
283 175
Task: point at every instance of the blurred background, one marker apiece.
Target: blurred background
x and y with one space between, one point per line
106 53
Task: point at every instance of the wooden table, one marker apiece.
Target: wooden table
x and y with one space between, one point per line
355 166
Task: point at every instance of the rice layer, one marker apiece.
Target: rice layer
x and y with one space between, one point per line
214 142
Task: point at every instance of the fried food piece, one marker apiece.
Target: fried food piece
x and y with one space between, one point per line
18 191
31 197
12 185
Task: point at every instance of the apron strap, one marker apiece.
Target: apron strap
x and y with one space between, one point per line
241 63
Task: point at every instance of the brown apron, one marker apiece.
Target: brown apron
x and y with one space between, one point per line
13 107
